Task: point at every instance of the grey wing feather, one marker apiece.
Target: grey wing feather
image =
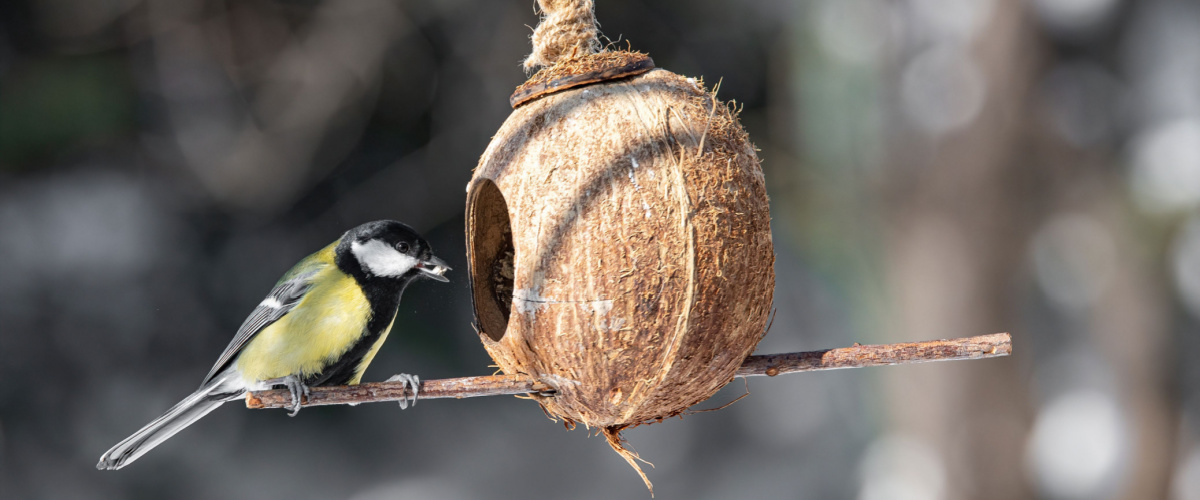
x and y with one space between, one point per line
285 295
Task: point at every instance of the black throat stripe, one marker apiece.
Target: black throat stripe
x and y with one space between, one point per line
383 294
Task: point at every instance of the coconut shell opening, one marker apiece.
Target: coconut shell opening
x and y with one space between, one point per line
489 232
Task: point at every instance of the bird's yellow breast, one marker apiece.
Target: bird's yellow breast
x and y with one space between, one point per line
327 322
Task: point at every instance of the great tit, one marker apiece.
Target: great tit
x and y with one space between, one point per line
321 325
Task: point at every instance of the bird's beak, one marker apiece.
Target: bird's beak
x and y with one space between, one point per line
434 268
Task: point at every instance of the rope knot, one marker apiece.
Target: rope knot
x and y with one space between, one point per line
567 31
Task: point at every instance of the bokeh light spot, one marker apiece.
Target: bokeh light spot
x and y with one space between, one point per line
1074 258
942 90
1166 166
1076 445
898 467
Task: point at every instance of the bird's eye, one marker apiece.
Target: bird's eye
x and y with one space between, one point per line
402 247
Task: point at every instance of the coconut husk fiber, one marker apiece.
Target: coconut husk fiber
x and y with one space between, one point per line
620 248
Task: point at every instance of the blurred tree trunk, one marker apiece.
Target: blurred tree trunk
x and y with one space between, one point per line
959 218
962 211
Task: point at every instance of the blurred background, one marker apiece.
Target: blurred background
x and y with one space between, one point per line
937 169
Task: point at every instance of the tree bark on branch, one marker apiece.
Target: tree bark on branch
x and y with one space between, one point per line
857 356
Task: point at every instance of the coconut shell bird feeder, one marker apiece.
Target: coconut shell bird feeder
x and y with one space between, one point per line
618 234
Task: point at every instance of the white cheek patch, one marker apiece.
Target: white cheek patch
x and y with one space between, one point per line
381 259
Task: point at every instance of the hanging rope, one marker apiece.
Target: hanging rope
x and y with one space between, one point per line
567 30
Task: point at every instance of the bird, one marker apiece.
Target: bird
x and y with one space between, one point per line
320 325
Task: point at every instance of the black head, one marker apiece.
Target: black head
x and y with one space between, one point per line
390 250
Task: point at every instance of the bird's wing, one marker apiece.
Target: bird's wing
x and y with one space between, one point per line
281 300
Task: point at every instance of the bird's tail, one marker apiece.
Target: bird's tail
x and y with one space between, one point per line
221 389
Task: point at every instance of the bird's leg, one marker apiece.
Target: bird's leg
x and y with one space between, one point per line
295 386
413 382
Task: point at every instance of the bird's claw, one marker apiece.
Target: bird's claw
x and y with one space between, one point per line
296 387
412 382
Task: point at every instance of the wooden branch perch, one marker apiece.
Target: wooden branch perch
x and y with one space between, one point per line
857 356
862 356
373 392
